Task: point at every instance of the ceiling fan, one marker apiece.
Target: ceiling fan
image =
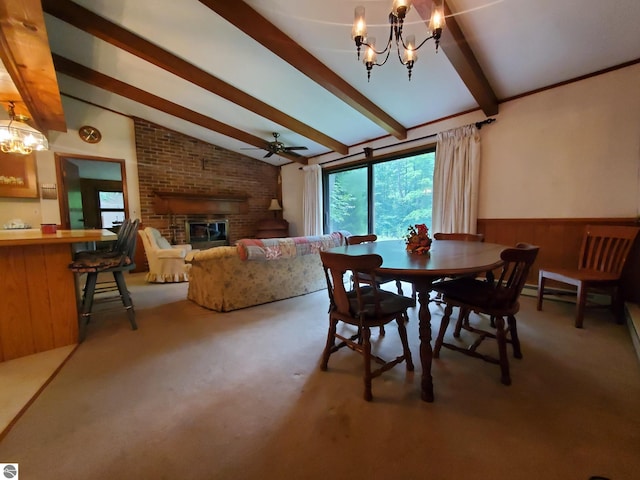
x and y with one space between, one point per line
277 146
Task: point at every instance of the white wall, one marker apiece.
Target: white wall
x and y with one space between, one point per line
118 142
572 151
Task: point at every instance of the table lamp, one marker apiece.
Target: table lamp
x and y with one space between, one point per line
275 206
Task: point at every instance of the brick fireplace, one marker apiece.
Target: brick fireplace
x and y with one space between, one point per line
171 162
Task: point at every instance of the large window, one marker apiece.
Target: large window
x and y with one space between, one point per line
382 197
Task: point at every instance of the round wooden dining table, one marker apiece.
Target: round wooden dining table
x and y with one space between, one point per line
446 258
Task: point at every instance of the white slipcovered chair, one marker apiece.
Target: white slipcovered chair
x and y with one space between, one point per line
166 261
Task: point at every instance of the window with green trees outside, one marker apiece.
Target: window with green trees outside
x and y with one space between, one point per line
382 197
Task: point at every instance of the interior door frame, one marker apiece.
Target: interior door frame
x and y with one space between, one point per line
63 199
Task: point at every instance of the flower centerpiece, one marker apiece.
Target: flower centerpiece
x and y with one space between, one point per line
417 239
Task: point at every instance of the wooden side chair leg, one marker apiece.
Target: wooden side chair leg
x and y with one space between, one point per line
402 331
541 282
502 350
413 291
366 350
126 298
87 305
89 292
515 341
448 309
581 301
331 341
463 318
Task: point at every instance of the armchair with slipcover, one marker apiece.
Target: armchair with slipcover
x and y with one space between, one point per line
166 261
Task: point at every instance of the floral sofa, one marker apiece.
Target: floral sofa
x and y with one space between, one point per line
258 271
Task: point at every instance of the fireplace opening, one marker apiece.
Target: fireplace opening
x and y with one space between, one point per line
202 234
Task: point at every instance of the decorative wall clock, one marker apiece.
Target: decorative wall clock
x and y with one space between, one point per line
89 134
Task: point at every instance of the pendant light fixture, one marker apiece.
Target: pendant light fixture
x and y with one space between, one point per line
18 137
405 47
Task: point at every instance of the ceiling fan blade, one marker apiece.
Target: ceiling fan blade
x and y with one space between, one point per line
268 155
296 148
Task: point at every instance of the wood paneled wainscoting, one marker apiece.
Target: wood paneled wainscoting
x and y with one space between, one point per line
559 240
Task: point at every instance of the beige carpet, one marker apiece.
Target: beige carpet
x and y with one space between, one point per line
196 394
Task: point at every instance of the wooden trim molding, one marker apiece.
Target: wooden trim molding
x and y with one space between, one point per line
195 203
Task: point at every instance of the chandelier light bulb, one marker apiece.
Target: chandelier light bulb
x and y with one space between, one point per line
410 54
437 21
359 25
400 8
370 53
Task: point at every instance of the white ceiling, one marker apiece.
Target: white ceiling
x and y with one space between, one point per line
521 46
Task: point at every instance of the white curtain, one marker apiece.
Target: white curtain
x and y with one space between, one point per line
455 181
312 200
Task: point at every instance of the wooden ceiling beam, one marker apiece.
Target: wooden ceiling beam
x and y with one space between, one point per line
93 24
459 53
241 15
24 50
110 84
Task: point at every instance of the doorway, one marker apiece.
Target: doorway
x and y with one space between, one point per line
92 192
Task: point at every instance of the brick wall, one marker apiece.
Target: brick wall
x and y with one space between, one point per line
169 161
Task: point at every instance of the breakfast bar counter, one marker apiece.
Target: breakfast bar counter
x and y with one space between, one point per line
39 293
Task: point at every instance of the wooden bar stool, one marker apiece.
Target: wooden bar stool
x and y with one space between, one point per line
116 261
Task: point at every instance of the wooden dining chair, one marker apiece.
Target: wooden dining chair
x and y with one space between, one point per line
465 237
603 255
498 299
364 307
358 239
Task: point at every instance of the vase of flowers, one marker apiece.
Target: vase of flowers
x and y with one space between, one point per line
417 239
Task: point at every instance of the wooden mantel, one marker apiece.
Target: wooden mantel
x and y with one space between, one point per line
198 203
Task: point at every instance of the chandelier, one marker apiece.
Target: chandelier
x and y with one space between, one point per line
18 137
406 47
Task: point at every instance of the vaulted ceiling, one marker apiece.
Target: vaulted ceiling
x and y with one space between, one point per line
231 72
